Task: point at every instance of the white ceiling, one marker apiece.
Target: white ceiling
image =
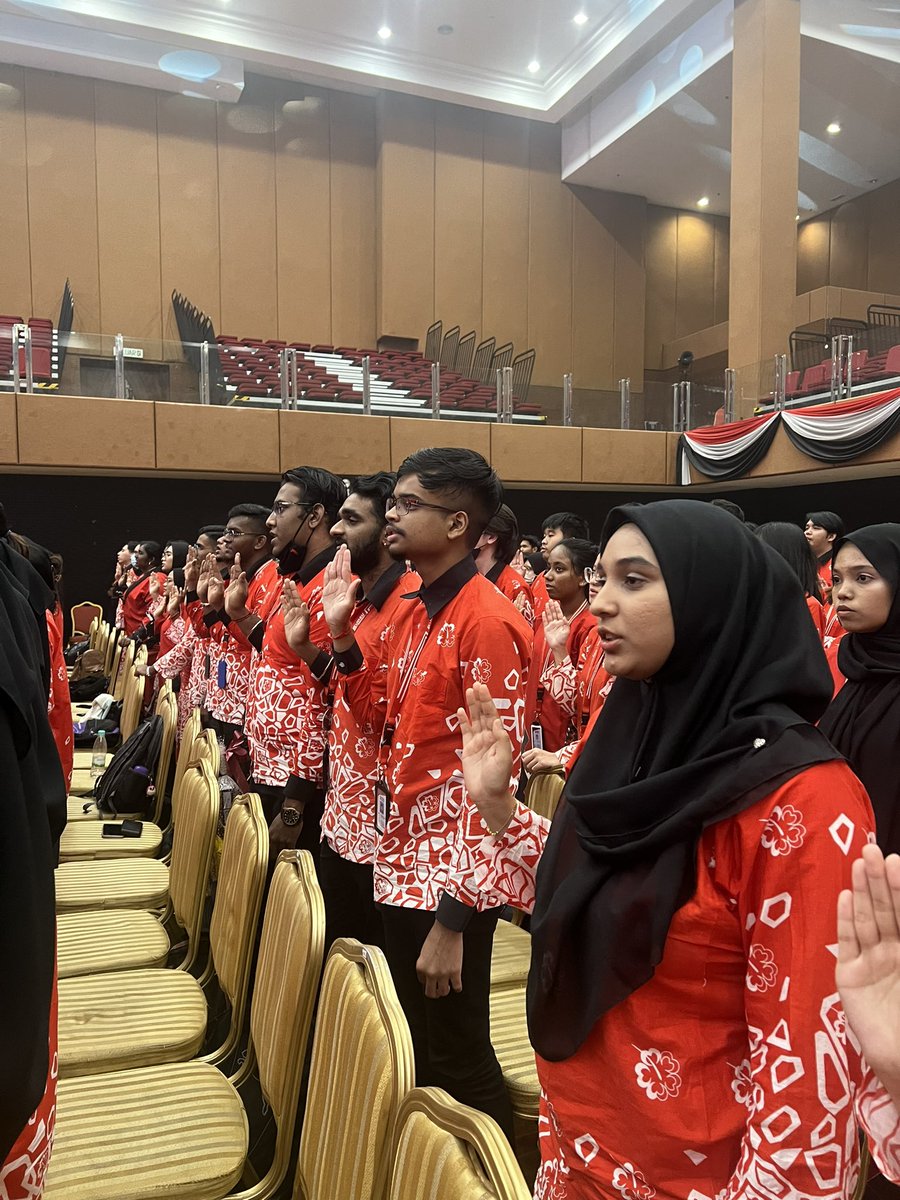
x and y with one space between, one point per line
672 149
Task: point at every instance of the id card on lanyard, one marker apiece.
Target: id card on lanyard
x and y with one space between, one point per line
382 790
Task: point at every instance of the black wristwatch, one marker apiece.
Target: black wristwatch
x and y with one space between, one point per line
291 817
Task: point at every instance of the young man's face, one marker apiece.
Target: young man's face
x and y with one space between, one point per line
819 538
418 523
288 517
552 537
361 530
241 537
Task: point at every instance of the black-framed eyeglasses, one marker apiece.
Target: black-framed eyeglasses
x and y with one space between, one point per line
407 504
280 507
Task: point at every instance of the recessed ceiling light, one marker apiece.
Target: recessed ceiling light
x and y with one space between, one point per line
384 32
580 18
445 29
703 202
797 218
534 66
834 127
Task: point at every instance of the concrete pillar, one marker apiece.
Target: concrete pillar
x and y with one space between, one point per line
765 127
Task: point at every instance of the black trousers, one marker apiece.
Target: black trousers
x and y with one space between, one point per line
451 1036
350 909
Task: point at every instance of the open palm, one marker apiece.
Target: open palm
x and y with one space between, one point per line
486 756
339 593
296 616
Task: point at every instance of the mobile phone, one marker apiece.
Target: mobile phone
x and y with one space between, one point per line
123 829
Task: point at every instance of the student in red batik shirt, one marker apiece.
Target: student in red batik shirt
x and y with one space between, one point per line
496 549
287 762
690 1041
555 529
822 528
136 598
454 631
347 850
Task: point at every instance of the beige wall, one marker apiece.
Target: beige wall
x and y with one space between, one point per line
686 259
338 221
855 245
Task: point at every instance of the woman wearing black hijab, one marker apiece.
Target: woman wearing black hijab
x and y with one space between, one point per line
863 720
680 998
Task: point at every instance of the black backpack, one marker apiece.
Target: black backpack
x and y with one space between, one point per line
127 785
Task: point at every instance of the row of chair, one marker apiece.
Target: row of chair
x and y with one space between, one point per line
44 350
145 1107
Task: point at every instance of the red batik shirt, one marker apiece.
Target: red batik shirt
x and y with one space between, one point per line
137 600
514 588
59 705
457 632
541 707
539 596
579 691
731 1074
281 683
348 822
229 682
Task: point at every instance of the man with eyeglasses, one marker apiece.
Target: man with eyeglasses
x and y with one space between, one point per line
246 534
282 684
455 631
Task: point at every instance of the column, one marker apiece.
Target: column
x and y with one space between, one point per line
765 125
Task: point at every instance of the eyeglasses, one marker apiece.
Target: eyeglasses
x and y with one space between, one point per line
280 507
591 578
230 534
407 504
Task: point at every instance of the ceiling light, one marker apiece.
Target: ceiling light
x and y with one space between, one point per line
384 32
703 202
580 18
797 218
534 66
833 128
192 65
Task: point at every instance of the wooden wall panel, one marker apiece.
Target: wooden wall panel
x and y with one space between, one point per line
62 195
458 216
62 431
627 219
128 212
405 215
341 443
234 441
520 453
506 225
593 300
623 455
661 258
188 206
353 159
9 441
409 434
695 284
248 258
303 223
15 277
848 266
883 248
549 259
720 286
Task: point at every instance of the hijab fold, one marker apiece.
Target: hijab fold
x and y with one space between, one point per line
724 723
863 720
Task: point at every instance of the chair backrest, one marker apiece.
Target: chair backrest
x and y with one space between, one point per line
362 1067
94 632
543 792
204 748
132 692
443 1148
481 364
448 348
433 340
235 914
83 616
167 708
284 995
189 735
502 358
465 352
192 848
122 668
112 646
522 367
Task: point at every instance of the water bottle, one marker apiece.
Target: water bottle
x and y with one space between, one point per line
98 755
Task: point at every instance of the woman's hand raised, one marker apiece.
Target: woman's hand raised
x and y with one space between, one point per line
486 758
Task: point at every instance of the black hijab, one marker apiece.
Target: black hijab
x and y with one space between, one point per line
722 725
179 554
863 720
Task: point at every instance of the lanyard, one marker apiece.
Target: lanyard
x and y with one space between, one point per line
406 677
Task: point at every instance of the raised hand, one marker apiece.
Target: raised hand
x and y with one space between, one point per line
296 617
206 569
339 593
486 757
154 587
237 591
556 629
215 591
191 569
518 563
174 601
868 966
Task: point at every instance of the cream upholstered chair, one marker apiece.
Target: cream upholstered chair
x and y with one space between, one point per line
147 883
139 1018
122 668
509 1036
92 941
362 1066
180 1129
131 697
83 836
445 1149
